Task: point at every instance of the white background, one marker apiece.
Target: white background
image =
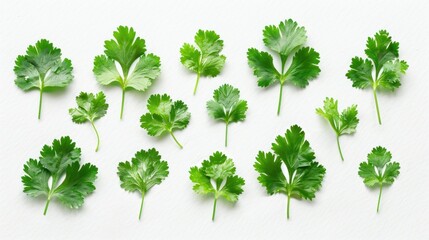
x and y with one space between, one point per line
343 209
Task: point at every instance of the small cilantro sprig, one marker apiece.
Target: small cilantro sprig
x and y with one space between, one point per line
58 174
143 172
217 177
344 123
90 108
42 68
165 116
383 60
286 39
304 175
126 49
379 170
227 106
206 60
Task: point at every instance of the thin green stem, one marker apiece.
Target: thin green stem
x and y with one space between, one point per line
141 206
47 205
214 209
280 99
288 205
226 134
339 147
180 145
379 197
98 137
40 103
122 104
196 83
376 105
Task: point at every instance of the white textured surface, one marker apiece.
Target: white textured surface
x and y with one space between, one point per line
343 209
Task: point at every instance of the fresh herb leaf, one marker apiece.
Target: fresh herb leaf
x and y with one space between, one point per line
217 177
126 50
90 108
58 174
206 60
286 39
42 68
383 60
227 106
302 176
344 123
379 170
143 172
165 116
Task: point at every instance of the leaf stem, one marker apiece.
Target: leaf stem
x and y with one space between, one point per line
196 83
141 206
339 147
280 99
214 209
376 105
288 206
40 103
98 137
180 145
47 205
122 104
379 197
226 134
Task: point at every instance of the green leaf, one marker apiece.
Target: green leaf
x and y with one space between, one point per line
379 170
90 108
165 116
217 177
383 60
344 123
286 39
58 174
227 106
206 60
126 49
143 172
302 176
42 68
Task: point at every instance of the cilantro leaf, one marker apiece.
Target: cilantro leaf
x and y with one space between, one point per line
126 49
165 116
383 59
143 172
304 175
90 108
227 106
206 60
58 174
286 40
217 177
42 68
344 123
379 170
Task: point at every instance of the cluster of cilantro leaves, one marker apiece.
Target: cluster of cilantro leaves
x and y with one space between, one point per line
138 69
286 40
382 70
217 177
57 174
143 172
207 59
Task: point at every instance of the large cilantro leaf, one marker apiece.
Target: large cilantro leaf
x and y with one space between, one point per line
303 176
42 68
383 60
165 116
227 106
90 108
379 170
217 176
287 39
206 60
143 172
126 49
58 174
344 123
